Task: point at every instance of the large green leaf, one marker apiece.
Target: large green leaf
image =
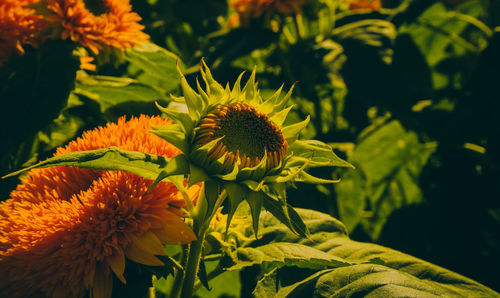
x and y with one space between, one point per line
154 66
284 254
389 161
437 28
110 91
112 158
374 271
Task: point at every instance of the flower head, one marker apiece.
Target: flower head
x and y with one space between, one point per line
98 23
65 229
19 25
237 140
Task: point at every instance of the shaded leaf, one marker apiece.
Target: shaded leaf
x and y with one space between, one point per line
285 254
111 158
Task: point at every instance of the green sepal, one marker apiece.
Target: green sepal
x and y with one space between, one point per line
174 134
280 104
231 176
196 175
308 178
202 274
267 106
203 94
255 173
250 90
212 191
184 119
280 117
291 132
255 200
320 154
111 158
200 155
215 90
193 100
236 193
287 215
236 92
178 165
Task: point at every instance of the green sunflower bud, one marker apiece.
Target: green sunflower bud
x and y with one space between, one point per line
237 142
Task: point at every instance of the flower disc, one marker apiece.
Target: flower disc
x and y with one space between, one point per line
244 133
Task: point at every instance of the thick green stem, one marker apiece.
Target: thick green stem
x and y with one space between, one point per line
193 264
179 274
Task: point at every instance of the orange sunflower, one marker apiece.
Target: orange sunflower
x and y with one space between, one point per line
98 23
248 9
65 229
18 25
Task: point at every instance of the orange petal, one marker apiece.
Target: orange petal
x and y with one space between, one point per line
103 282
139 255
117 264
175 231
150 243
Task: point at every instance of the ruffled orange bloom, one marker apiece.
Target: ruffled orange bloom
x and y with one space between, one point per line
249 9
106 23
65 229
18 25
365 4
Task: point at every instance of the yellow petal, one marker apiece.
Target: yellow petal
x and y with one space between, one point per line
175 231
117 264
150 243
103 282
139 255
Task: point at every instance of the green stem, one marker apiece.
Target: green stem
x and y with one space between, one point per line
179 274
200 227
193 264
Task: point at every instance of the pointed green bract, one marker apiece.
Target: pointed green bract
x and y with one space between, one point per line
255 200
291 132
174 134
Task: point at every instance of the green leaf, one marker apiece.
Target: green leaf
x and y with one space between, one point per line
390 160
364 269
268 286
285 254
111 92
153 66
111 158
436 29
320 154
287 215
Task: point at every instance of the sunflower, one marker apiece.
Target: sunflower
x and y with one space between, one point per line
98 23
239 145
19 25
66 230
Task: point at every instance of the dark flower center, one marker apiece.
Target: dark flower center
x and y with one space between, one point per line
247 134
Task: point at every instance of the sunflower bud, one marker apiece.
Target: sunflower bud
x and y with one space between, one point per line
241 134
